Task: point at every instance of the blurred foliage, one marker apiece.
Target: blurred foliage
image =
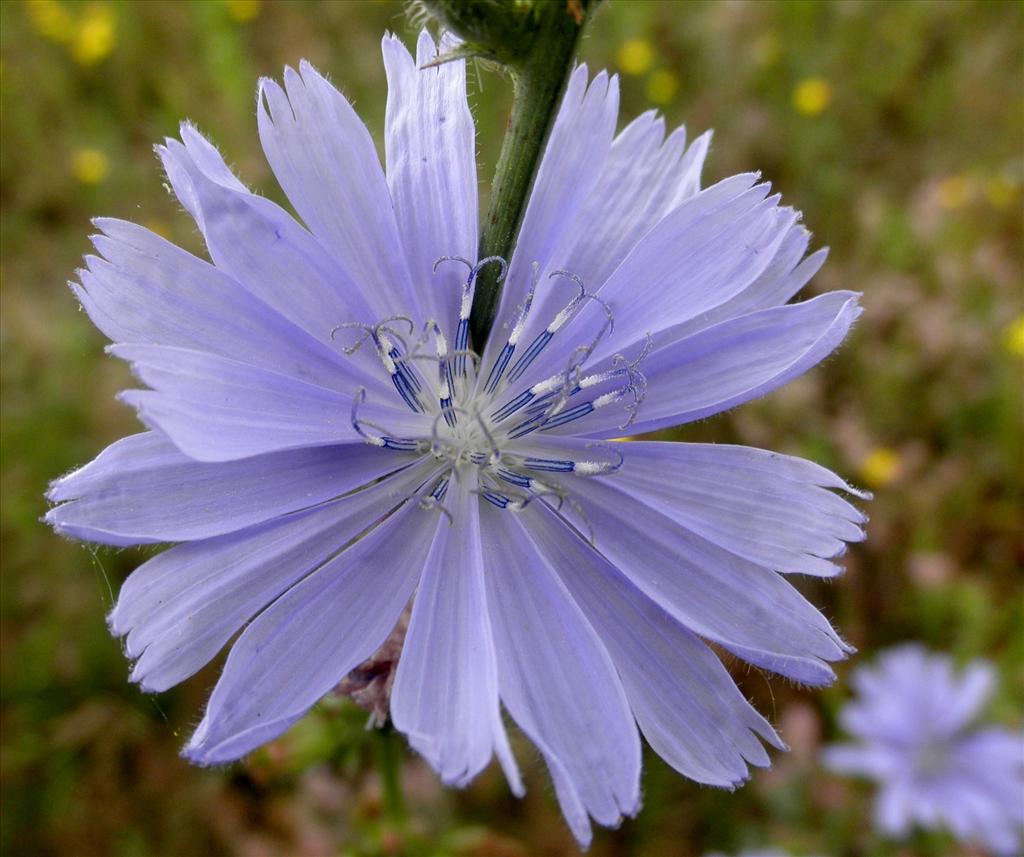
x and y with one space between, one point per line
898 129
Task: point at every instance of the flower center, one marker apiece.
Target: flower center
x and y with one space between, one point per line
477 416
932 758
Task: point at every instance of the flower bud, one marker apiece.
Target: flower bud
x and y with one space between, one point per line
506 31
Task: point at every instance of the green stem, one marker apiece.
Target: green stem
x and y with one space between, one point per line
388 757
539 78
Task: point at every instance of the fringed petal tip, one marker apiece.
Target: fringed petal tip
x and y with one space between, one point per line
434 755
114 625
139 676
579 821
207 749
268 94
51 518
195 753
57 492
860 494
515 783
307 68
433 751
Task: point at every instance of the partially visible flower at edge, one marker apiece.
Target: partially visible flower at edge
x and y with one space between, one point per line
324 444
915 721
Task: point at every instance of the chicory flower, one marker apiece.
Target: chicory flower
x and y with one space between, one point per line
915 721
326 445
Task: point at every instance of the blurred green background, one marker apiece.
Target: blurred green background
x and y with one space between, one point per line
898 128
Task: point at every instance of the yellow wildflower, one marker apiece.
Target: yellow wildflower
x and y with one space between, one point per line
90 166
881 466
812 96
96 34
635 56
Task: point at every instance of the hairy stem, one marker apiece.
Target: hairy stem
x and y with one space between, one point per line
539 75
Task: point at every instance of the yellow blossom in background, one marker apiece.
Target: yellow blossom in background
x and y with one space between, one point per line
880 467
1013 339
95 35
662 87
812 96
90 166
243 10
954 191
51 19
89 31
635 56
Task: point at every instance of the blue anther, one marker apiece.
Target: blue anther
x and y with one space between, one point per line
498 369
440 489
540 404
551 465
507 410
400 445
568 416
403 369
536 347
495 499
448 375
461 346
449 412
401 383
524 428
514 478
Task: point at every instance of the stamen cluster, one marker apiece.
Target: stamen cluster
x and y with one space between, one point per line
474 420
